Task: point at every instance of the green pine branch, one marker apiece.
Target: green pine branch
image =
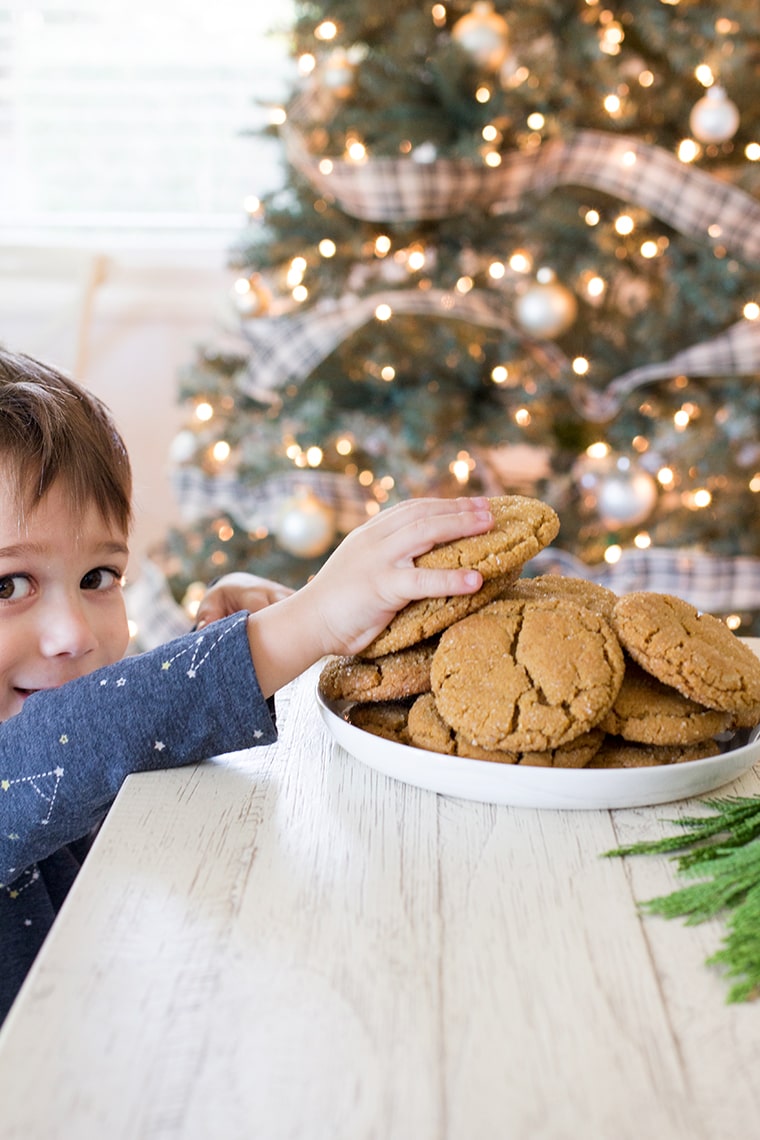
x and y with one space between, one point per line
723 850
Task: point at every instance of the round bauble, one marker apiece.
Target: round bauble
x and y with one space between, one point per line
546 309
484 35
183 447
337 74
306 526
714 118
621 491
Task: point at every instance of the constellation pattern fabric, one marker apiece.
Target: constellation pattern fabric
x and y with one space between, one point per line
65 756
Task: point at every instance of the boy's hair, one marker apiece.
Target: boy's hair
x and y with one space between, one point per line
51 429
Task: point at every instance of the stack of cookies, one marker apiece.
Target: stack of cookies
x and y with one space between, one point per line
550 671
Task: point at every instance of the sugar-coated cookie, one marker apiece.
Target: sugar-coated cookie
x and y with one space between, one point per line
382 718
618 753
650 712
396 675
596 597
522 526
427 729
425 618
527 676
692 651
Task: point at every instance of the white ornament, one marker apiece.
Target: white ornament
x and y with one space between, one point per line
306 526
622 492
714 118
484 35
338 74
546 309
183 447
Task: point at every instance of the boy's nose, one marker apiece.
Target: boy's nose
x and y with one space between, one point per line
66 630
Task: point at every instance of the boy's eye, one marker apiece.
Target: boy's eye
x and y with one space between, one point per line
14 587
100 579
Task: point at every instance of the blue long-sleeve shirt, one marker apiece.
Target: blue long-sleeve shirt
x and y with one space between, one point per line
64 757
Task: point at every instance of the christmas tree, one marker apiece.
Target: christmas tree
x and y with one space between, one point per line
516 250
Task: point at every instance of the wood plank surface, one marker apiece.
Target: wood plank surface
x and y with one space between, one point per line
284 943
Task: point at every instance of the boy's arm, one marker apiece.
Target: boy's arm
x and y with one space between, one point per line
64 757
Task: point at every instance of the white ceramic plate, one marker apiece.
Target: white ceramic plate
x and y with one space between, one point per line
581 788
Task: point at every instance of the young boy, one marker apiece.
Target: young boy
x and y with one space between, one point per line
76 717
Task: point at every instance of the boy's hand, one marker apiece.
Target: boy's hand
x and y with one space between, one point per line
238 591
364 583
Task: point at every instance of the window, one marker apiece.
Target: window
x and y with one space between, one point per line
124 120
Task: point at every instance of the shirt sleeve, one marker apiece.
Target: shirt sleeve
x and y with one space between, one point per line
64 757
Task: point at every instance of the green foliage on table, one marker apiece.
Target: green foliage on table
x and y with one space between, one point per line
723 851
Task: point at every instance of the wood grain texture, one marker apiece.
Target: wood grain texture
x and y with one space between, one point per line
284 943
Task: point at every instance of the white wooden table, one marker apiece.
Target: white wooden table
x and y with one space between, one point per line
284 943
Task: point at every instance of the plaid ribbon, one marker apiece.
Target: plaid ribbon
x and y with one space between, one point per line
260 504
735 352
286 349
400 189
711 582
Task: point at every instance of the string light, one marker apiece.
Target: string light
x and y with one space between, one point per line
327 30
438 12
203 411
688 150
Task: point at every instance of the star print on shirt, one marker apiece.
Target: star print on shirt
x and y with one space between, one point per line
159 746
39 784
201 649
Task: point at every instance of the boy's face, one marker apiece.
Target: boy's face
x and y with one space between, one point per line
62 611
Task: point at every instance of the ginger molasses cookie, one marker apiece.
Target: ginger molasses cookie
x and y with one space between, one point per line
429 616
575 754
650 712
427 729
526 676
396 675
618 753
522 527
586 593
382 718
692 651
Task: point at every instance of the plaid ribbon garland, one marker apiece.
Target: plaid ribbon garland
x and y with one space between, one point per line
711 582
286 349
401 189
735 352
259 505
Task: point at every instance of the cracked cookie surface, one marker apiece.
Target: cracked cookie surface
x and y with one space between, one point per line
594 596
527 676
694 652
425 618
521 528
650 712
396 675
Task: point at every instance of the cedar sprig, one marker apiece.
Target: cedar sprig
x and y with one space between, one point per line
723 849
